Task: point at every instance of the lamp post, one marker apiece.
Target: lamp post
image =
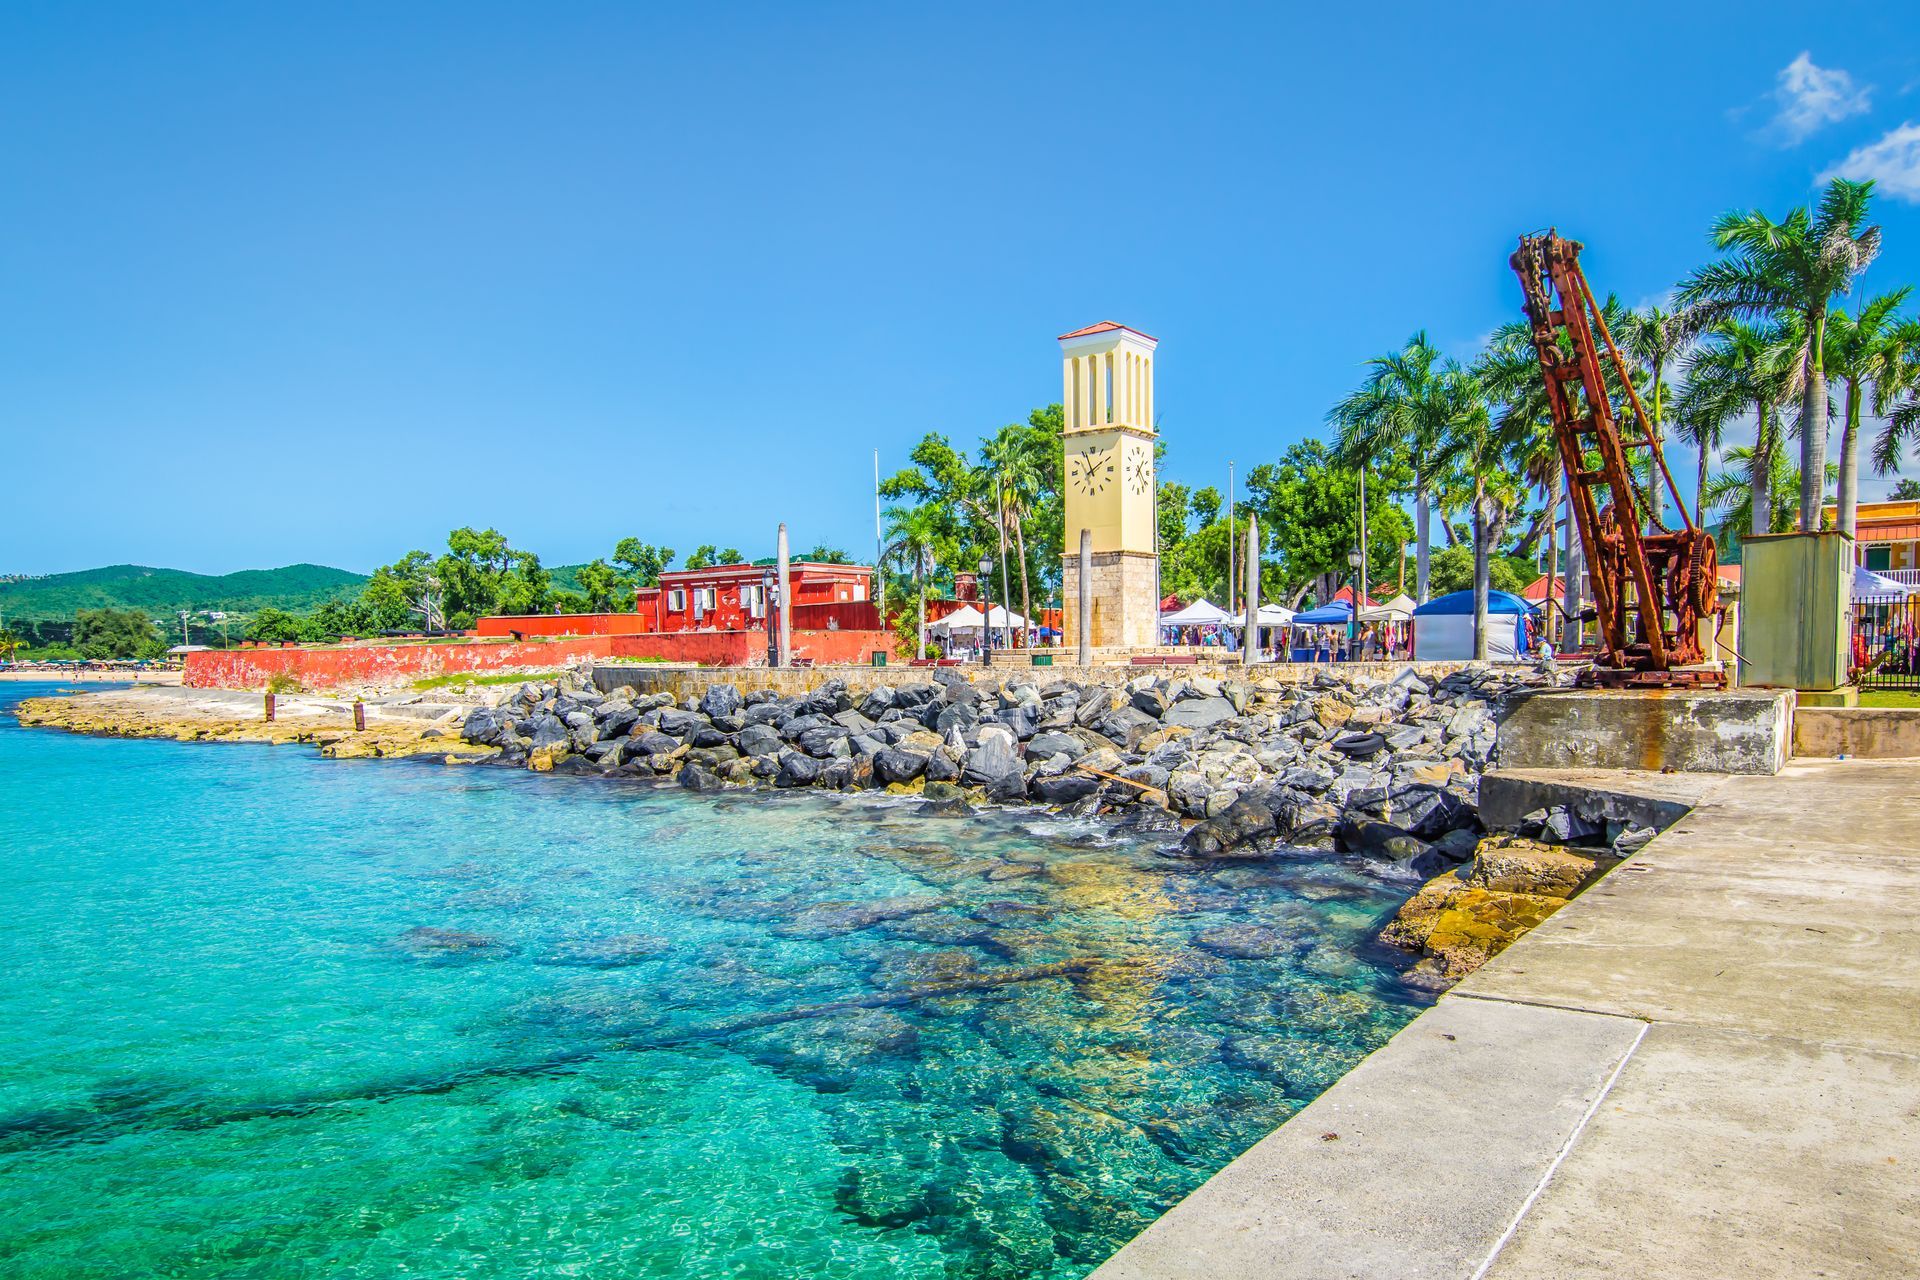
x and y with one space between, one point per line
986 623
1355 559
766 607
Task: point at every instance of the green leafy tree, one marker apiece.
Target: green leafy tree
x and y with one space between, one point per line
1793 269
527 588
276 626
706 556
603 586
116 633
1309 510
821 554
641 562
336 618
471 571
394 589
1907 490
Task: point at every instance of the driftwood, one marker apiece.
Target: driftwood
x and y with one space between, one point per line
1157 795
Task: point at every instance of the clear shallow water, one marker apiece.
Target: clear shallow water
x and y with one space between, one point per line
271 1015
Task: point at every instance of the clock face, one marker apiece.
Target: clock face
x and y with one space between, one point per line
1139 470
1091 469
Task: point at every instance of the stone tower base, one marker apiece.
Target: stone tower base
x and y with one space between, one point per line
1126 612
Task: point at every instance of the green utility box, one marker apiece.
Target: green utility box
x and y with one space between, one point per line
1795 610
1042 659
879 657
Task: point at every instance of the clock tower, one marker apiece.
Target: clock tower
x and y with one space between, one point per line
1108 403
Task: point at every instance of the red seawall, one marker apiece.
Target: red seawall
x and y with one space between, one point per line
323 667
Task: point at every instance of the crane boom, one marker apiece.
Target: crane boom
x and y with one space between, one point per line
1640 579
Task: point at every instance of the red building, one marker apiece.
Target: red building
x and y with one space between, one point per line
733 597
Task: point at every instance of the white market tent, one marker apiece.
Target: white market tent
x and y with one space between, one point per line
971 619
1869 586
1201 613
1398 609
1443 627
1273 615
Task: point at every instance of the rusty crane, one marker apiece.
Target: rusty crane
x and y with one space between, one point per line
1640 580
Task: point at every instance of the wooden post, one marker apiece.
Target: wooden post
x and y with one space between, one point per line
269 708
1084 604
1250 639
359 715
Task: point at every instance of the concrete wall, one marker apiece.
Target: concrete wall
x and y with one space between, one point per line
1872 733
1734 731
322 667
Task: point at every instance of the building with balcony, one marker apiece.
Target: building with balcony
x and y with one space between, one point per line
734 597
1887 539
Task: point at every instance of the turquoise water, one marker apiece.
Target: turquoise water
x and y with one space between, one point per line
268 1015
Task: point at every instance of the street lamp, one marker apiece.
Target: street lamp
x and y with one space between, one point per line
986 628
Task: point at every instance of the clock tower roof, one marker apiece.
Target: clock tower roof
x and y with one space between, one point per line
1107 326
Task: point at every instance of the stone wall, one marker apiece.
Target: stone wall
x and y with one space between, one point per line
1125 609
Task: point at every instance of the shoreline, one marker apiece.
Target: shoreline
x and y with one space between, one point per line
1218 772
159 679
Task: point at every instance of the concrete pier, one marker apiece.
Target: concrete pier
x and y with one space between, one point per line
1705 1065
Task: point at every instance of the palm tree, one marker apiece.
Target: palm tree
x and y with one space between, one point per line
1479 447
1897 374
1656 339
1730 496
1741 367
1792 268
915 532
1509 369
1017 457
1869 346
1406 407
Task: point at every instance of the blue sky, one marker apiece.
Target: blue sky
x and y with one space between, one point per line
320 282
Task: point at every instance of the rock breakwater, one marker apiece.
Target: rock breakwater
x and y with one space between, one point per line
1227 768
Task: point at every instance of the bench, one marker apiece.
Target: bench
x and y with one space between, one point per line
1165 659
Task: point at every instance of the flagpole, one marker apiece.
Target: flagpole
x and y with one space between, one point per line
879 547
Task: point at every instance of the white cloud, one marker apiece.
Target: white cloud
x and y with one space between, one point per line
1893 163
1811 97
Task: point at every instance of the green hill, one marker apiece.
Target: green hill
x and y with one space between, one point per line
164 591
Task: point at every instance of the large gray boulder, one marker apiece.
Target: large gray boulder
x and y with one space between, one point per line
1198 713
895 765
797 770
482 725
1053 742
721 700
994 754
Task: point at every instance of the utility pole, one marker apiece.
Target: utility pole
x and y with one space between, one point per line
786 609
879 547
1231 562
185 636
1250 638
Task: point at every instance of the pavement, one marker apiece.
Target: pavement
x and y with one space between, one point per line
1708 1064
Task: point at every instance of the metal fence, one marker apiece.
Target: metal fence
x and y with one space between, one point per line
1886 642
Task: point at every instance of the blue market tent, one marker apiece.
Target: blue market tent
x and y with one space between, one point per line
1337 614
1443 627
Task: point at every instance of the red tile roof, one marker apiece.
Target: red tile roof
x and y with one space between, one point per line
1105 326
